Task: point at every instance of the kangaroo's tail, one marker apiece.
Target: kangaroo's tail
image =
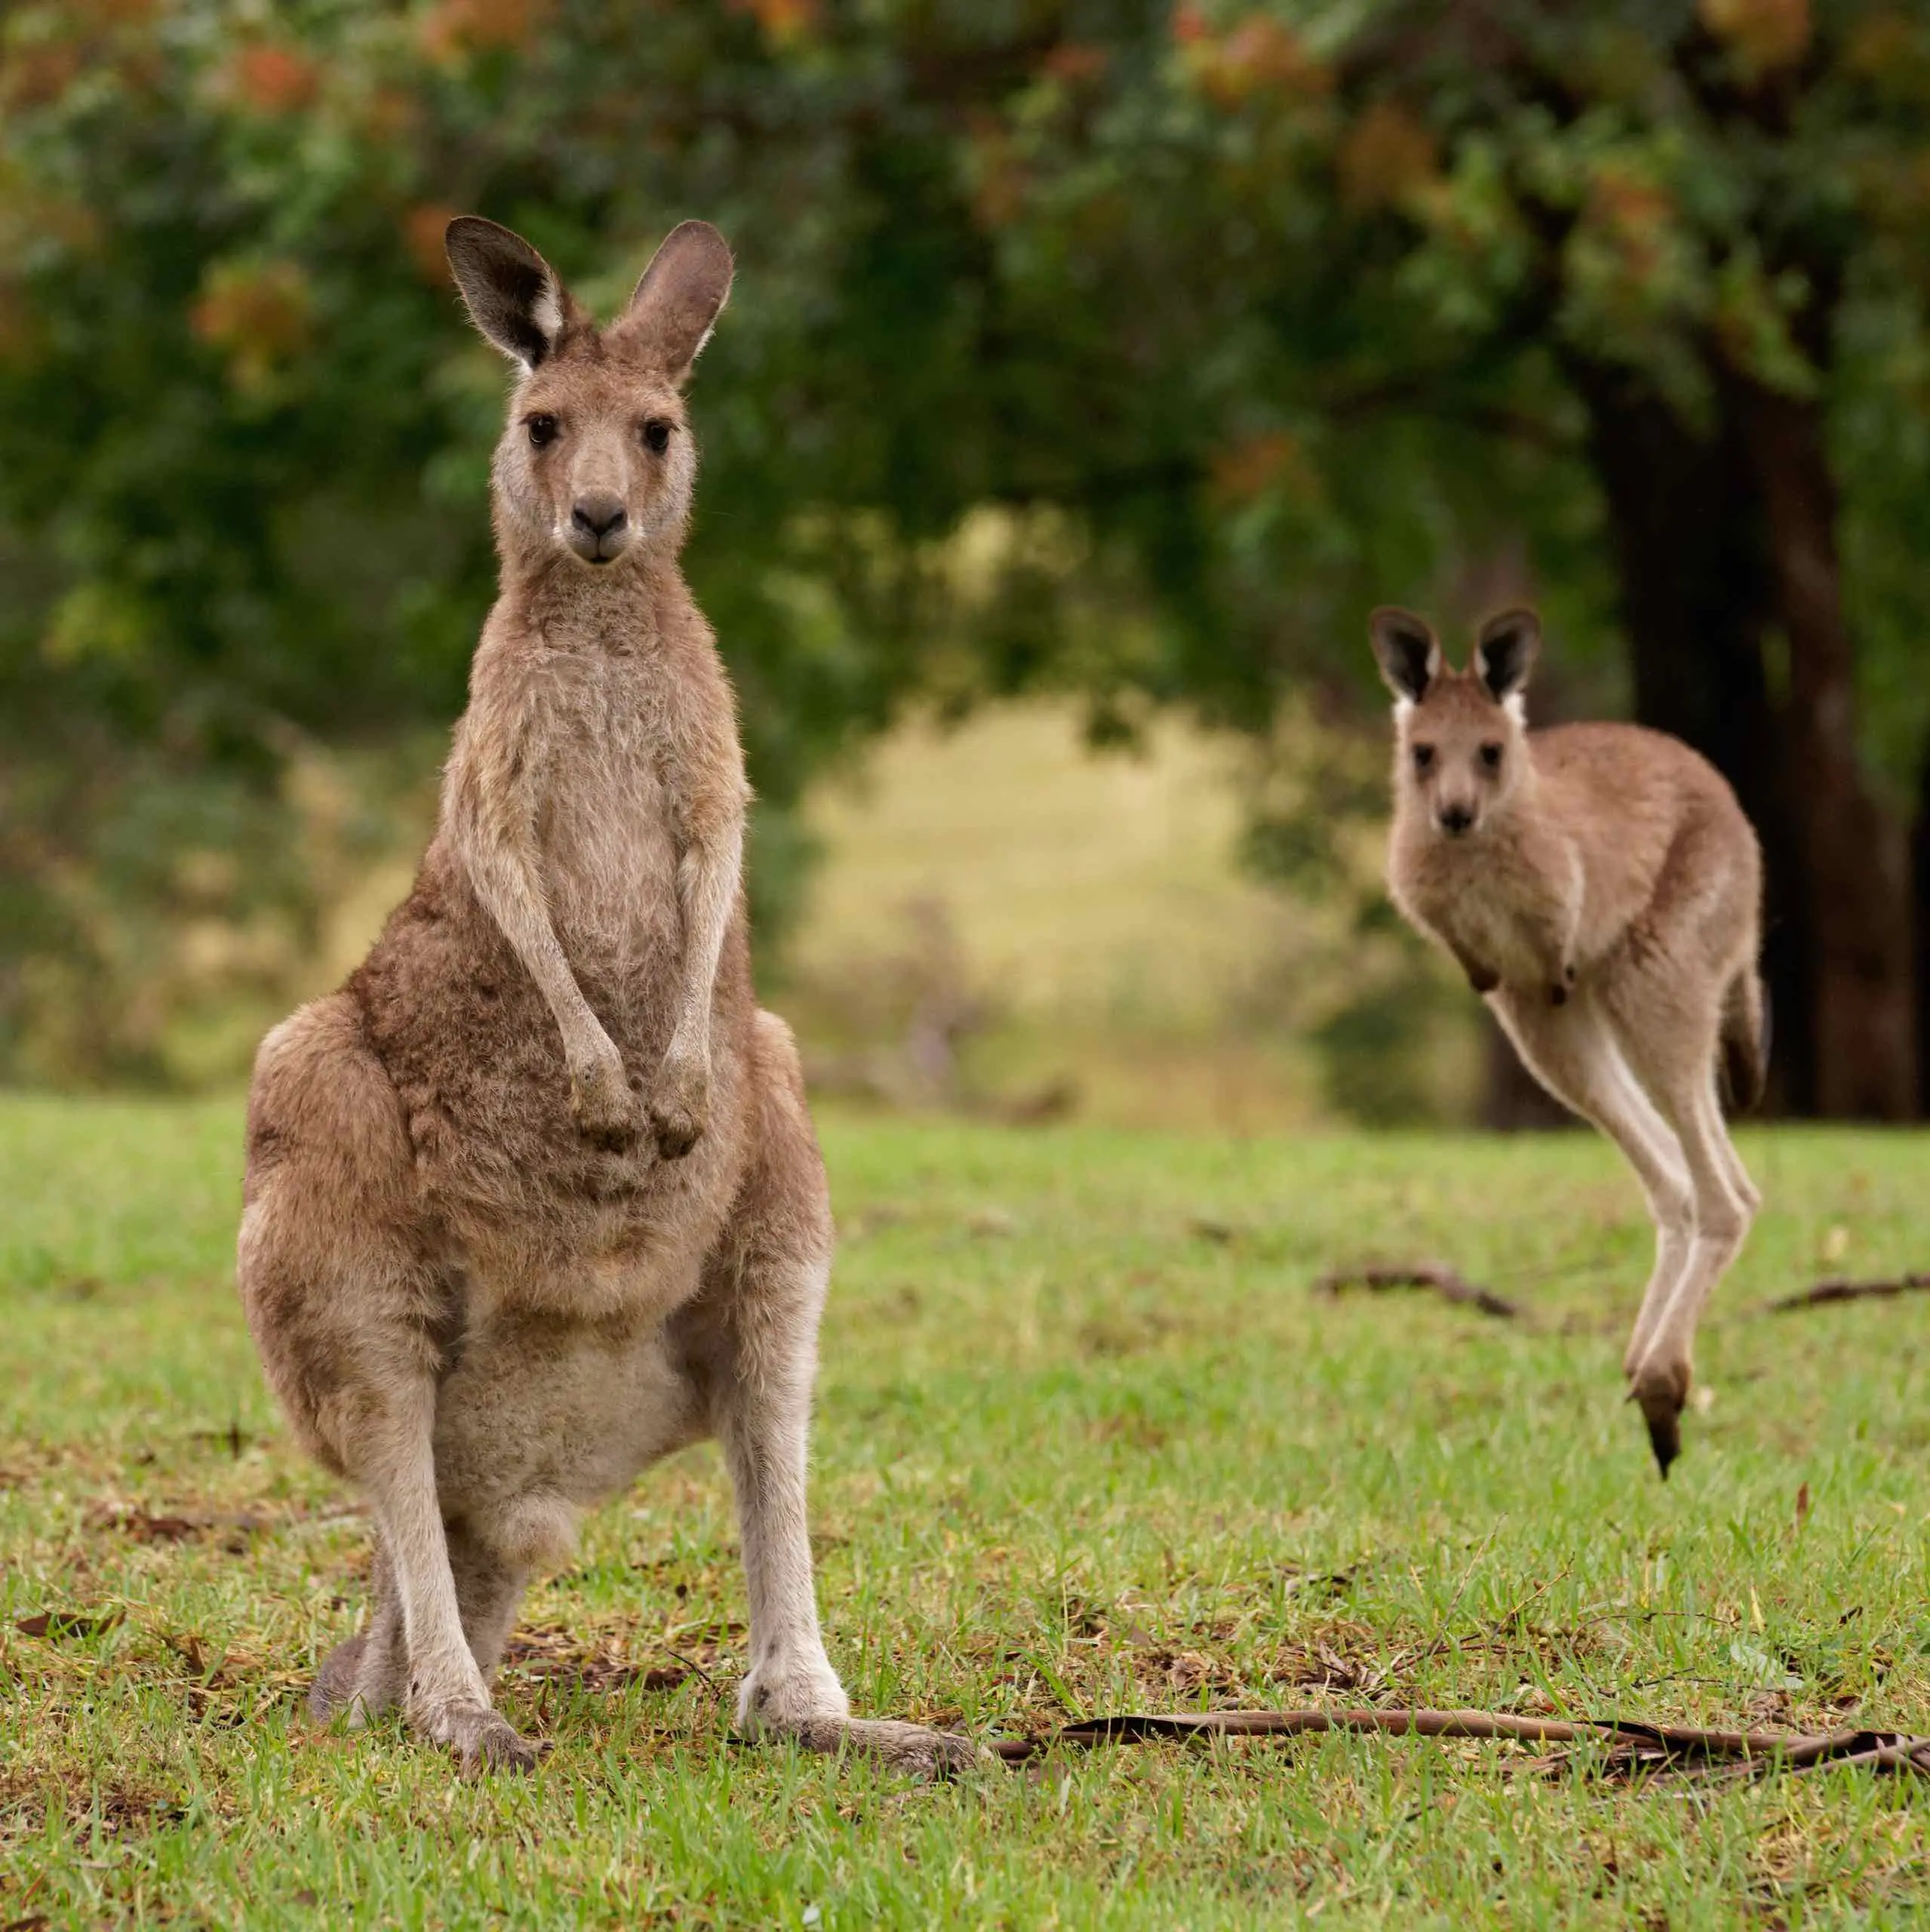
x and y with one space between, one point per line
1745 1040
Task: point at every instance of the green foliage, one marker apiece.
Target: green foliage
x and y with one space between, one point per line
1261 313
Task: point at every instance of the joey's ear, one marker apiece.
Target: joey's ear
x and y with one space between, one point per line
1406 650
512 292
676 304
1506 654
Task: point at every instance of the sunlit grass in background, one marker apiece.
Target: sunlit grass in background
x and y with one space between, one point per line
1086 1441
1088 917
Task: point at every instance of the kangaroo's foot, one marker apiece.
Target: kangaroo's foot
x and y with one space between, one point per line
481 1737
913 1749
1660 1390
802 1699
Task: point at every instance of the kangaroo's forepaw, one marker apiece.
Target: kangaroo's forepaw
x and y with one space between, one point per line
1483 979
679 1105
605 1111
483 1739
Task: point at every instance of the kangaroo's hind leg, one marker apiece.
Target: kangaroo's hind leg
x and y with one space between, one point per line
750 1343
1574 1052
346 1310
1672 1045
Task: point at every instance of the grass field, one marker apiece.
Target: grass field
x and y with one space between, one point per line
1087 1442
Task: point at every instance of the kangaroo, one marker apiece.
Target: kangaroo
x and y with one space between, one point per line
534 1199
1599 886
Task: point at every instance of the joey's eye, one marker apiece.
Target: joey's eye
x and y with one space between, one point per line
542 430
1491 757
1424 758
656 435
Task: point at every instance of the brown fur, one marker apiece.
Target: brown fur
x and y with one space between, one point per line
1600 886
534 1199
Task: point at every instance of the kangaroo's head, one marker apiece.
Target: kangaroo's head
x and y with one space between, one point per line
1460 736
596 463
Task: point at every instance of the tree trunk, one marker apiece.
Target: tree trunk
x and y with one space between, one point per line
1721 542
1696 600
1920 908
1852 845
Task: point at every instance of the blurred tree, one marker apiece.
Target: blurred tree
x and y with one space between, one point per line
1131 347
1668 257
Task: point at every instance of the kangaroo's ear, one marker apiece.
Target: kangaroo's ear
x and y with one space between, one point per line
512 292
1406 650
1506 654
676 304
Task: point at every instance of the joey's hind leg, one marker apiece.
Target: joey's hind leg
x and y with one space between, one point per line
1683 1082
368 1673
1574 1054
488 1589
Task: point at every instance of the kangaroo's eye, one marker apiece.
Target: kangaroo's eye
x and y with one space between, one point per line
656 435
1424 758
542 430
1491 756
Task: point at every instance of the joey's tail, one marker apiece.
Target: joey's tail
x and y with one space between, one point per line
1745 1041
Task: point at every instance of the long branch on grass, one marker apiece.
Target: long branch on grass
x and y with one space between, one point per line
1824 1294
1631 1742
1444 1281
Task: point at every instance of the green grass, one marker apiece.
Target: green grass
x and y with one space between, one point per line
1086 1442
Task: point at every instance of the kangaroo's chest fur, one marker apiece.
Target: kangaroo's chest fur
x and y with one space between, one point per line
1497 898
521 1197
601 725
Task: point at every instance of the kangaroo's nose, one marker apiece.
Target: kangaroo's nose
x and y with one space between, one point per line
1456 819
601 515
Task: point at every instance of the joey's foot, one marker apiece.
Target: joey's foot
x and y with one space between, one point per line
482 1739
680 1104
335 1682
359 1678
1483 979
1563 984
1660 1393
607 1113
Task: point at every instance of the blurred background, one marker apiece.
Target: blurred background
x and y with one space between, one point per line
1092 369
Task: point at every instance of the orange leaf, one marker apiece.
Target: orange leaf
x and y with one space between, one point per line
272 80
1763 35
1387 155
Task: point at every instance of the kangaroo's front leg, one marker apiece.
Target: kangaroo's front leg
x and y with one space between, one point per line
491 809
711 796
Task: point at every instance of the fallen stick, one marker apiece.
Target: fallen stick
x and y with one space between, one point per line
1444 1280
1823 1294
1672 1745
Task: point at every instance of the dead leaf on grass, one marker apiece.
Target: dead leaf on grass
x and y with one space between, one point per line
550 1655
58 1623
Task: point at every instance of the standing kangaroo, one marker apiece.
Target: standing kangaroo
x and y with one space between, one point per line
534 1199
1600 884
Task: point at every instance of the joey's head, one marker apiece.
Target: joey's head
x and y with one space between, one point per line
1460 736
596 464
